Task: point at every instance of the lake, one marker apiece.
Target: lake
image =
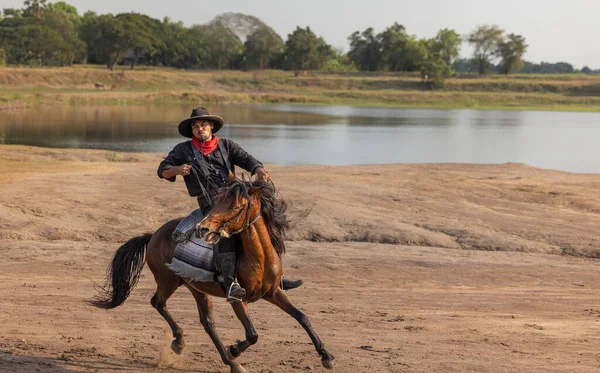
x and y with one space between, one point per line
330 135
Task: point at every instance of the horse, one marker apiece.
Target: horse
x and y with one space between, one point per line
256 212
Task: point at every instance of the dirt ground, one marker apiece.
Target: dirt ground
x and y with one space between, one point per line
407 268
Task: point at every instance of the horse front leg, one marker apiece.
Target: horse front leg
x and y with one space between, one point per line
241 311
205 306
281 300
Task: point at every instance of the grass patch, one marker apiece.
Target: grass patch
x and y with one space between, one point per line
85 85
113 157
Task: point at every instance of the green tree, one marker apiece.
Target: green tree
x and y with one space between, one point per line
69 10
365 50
393 43
139 36
339 62
109 37
102 34
174 45
262 48
305 51
65 24
485 40
197 51
2 57
391 50
447 43
11 40
34 35
221 47
414 54
548 68
586 70
44 44
435 69
88 26
511 53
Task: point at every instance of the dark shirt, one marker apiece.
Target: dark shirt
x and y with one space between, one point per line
214 164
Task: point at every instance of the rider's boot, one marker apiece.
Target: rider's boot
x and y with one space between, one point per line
290 284
184 230
227 264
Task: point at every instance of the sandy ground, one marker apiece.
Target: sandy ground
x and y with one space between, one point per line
407 268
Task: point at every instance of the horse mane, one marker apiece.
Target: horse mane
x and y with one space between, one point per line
272 208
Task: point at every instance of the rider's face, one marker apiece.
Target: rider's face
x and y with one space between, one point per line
202 129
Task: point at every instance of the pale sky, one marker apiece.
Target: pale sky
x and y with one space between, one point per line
556 30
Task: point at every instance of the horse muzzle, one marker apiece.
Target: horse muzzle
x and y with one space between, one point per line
212 238
208 236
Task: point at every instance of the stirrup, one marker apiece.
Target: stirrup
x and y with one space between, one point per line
233 299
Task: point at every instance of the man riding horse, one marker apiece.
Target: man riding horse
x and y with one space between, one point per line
248 212
205 163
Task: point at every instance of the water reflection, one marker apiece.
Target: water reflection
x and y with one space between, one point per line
127 128
329 134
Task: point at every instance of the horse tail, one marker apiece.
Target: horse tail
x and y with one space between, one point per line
123 273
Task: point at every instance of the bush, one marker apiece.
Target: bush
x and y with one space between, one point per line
2 57
335 65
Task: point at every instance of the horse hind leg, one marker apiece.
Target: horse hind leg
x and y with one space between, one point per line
159 301
280 299
241 311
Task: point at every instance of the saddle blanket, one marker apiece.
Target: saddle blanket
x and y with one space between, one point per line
193 259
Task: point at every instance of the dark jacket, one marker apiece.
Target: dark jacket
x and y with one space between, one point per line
217 167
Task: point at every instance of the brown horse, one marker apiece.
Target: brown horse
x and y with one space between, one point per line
255 212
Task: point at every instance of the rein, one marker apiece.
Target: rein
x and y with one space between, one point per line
204 191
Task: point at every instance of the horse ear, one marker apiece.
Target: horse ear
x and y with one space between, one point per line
231 177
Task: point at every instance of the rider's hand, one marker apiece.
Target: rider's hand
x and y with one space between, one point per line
185 169
262 174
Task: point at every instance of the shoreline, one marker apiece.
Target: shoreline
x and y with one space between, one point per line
24 88
131 156
30 101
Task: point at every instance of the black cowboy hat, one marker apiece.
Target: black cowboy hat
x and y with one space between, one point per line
185 127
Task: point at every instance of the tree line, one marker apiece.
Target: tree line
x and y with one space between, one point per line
54 34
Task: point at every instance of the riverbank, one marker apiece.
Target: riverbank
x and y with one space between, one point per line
509 207
407 268
27 87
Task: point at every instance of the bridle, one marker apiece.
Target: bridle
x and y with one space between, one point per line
236 218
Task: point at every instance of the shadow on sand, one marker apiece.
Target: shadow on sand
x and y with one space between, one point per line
10 363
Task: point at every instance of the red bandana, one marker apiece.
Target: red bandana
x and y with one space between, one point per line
207 146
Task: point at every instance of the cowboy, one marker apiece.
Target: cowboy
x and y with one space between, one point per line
205 162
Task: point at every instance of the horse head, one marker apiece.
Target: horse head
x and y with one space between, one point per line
235 210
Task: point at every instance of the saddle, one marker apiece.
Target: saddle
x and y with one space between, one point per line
193 258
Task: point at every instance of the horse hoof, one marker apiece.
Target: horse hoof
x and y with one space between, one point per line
328 363
238 369
230 355
176 347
